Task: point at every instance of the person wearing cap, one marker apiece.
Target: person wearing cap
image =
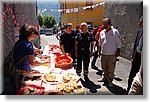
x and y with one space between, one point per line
84 41
67 41
109 48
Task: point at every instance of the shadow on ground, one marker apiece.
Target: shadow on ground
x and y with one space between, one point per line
99 72
87 83
117 78
117 90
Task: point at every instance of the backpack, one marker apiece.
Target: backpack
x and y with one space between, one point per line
9 65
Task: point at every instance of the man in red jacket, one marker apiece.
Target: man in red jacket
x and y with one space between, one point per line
96 33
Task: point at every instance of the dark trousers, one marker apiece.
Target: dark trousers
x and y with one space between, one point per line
95 56
85 57
73 56
136 63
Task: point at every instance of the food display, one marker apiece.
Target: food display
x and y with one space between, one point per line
42 58
70 78
58 77
32 79
63 61
52 78
56 70
40 69
54 46
53 93
31 90
55 49
71 88
66 78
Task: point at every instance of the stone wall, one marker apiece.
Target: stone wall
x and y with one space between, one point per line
23 12
125 16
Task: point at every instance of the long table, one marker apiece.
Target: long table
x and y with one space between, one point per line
40 80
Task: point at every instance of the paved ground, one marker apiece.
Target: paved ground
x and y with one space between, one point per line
91 85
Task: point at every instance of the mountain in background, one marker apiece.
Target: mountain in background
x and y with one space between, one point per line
49 7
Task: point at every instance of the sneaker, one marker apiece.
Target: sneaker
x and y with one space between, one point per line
110 84
102 80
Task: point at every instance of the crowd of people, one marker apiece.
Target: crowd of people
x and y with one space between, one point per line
104 42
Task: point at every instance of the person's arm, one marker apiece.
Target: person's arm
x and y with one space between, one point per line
62 48
99 45
76 47
36 50
30 55
33 62
118 43
61 42
91 52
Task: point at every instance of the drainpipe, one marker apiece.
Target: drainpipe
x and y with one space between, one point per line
77 12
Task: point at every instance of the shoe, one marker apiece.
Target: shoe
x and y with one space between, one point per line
79 74
94 67
102 80
110 85
86 77
85 74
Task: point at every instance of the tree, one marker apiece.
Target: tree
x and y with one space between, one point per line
53 20
49 21
40 19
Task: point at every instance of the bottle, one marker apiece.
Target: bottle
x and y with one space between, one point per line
51 62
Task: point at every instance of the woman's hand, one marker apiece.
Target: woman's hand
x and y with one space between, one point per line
38 51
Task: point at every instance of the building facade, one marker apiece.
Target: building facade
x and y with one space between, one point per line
92 15
125 17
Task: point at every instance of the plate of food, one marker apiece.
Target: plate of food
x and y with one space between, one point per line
56 70
63 61
52 78
32 79
41 69
31 90
72 88
70 78
42 58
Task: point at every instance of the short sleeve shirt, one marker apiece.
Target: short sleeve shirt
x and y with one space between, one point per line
22 49
84 41
68 40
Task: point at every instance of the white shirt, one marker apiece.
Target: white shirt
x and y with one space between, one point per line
109 41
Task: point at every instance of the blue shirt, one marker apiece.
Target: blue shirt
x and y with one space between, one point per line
22 49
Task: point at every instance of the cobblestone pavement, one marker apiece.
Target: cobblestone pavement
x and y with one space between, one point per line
92 86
